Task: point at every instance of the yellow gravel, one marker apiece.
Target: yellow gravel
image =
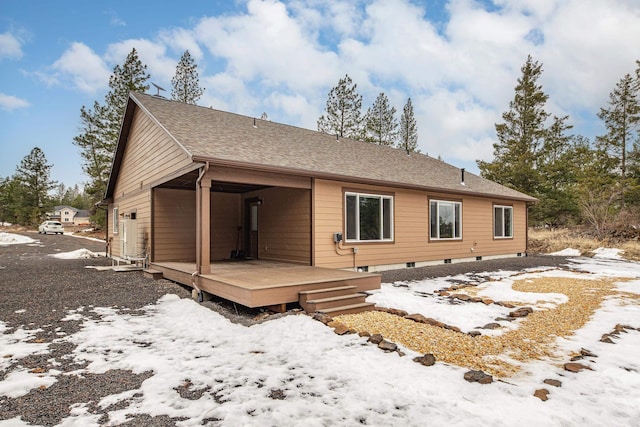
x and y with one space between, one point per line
499 355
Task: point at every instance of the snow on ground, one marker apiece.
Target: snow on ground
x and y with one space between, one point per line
567 252
607 253
14 239
77 254
295 370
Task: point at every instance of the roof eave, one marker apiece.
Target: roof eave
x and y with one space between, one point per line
359 180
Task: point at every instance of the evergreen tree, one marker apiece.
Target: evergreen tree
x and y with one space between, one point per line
185 83
621 119
408 139
343 111
520 136
33 179
380 122
101 125
558 204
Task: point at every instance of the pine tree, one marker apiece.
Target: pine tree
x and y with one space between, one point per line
621 119
100 126
408 139
381 125
343 111
185 83
33 178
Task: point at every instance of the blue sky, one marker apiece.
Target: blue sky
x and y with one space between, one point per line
458 60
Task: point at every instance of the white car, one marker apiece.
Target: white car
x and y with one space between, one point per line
50 227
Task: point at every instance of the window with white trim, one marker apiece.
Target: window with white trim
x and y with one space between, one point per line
368 217
502 221
116 220
445 220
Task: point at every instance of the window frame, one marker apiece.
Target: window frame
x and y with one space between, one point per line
382 222
116 219
503 208
453 203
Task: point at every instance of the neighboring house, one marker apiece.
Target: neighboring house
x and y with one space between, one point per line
200 185
68 215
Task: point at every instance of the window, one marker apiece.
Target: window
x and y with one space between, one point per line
502 221
368 217
116 219
445 220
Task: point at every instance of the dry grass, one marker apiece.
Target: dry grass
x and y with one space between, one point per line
499 355
553 240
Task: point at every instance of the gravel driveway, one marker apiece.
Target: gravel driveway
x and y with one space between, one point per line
37 290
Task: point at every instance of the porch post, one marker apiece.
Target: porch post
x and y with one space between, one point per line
203 229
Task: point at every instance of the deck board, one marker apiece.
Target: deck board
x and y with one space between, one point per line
262 283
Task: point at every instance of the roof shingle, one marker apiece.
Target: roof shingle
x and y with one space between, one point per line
214 135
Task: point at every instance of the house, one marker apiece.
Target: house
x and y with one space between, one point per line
192 188
68 215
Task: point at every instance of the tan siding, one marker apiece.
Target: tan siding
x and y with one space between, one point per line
411 229
174 225
226 213
284 224
140 204
148 156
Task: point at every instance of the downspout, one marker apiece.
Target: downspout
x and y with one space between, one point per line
203 172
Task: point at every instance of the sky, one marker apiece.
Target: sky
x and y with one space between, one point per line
293 370
457 60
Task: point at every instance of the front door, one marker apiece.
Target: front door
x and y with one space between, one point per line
251 222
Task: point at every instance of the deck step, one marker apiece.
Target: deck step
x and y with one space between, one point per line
152 274
348 309
338 301
335 291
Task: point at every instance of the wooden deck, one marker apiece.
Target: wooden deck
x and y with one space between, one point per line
264 283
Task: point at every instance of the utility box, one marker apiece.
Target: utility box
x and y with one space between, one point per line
128 238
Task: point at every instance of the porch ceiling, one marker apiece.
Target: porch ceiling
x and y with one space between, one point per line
188 182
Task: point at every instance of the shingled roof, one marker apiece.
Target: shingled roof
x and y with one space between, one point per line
212 135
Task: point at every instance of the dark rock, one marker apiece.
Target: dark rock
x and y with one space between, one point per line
387 346
542 394
487 301
375 339
620 328
364 334
505 304
491 326
321 317
474 333
461 297
478 377
476 299
575 367
416 317
587 353
426 360
277 394
521 312
341 329
393 311
574 358
552 382
607 339
452 328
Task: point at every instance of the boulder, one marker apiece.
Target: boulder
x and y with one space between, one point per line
375 339
426 360
341 329
387 346
474 333
393 311
575 367
452 328
416 317
542 394
461 297
487 301
586 353
552 382
492 325
607 339
521 312
478 377
321 317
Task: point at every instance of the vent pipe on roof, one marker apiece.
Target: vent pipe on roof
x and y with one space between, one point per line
462 173
254 123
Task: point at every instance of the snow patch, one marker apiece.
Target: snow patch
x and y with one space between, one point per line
567 252
607 253
77 254
7 239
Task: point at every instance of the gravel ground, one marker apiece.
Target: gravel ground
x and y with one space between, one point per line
37 290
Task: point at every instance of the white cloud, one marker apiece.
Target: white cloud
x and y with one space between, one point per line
152 54
10 103
10 46
81 68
